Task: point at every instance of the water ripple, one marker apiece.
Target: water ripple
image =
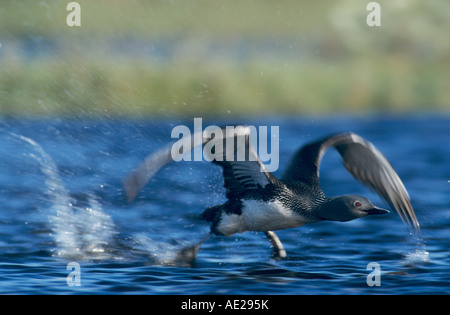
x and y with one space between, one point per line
62 201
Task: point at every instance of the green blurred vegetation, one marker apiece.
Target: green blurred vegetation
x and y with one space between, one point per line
206 58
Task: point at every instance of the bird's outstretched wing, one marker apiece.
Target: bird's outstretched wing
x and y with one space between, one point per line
365 162
242 169
137 179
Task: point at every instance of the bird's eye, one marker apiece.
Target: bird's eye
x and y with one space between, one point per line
357 204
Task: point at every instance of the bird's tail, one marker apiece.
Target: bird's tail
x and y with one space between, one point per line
210 214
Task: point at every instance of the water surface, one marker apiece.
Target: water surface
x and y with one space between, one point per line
62 201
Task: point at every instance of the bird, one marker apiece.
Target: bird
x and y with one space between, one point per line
259 201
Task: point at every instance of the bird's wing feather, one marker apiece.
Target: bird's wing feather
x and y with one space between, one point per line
139 177
365 162
242 170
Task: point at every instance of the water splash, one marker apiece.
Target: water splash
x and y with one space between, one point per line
419 255
83 232
79 232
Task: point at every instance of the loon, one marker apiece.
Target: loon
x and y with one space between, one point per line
258 201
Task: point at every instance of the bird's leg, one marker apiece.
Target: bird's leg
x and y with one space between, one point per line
188 254
278 249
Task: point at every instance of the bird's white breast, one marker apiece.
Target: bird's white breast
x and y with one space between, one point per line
260 216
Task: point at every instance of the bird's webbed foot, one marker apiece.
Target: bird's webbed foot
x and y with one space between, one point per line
277 247
188 255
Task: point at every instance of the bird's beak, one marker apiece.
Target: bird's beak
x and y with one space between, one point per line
376 210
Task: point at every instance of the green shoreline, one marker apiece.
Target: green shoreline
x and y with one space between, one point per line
299 58
133 88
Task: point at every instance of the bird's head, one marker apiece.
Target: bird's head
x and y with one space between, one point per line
346 208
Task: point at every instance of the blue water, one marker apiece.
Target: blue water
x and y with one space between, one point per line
62 201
